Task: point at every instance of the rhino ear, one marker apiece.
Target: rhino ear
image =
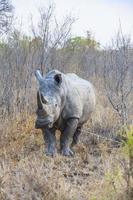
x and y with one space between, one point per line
38 76
58 79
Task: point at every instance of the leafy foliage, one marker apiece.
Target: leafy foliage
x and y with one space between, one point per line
82 42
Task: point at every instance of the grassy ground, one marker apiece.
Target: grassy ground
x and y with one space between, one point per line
95 172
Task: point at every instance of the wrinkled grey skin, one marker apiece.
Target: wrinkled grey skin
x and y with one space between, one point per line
65 103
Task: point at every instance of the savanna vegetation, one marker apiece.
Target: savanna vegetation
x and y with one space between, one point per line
102 168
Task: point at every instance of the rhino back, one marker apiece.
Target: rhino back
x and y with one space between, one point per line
80 101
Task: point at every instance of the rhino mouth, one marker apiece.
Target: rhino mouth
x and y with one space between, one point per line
42 123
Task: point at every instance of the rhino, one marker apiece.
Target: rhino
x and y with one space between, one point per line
64 103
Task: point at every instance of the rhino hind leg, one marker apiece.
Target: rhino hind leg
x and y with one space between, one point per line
76 136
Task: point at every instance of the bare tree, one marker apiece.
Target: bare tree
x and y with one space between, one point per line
6 15
51 34
118 75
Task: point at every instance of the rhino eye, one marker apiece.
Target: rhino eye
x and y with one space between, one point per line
56 105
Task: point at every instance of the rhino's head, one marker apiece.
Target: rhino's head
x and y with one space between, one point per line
49 99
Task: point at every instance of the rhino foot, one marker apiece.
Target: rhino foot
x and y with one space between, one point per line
67 152
50 154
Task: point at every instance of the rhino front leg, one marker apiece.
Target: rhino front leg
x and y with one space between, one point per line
50 141
67 136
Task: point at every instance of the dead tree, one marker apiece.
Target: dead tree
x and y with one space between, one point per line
118 75
51 34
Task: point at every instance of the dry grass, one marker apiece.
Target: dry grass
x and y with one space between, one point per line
26 173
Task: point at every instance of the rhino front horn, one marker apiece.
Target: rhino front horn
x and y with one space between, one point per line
39 103
38 75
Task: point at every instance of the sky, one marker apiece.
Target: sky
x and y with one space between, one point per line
101 17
